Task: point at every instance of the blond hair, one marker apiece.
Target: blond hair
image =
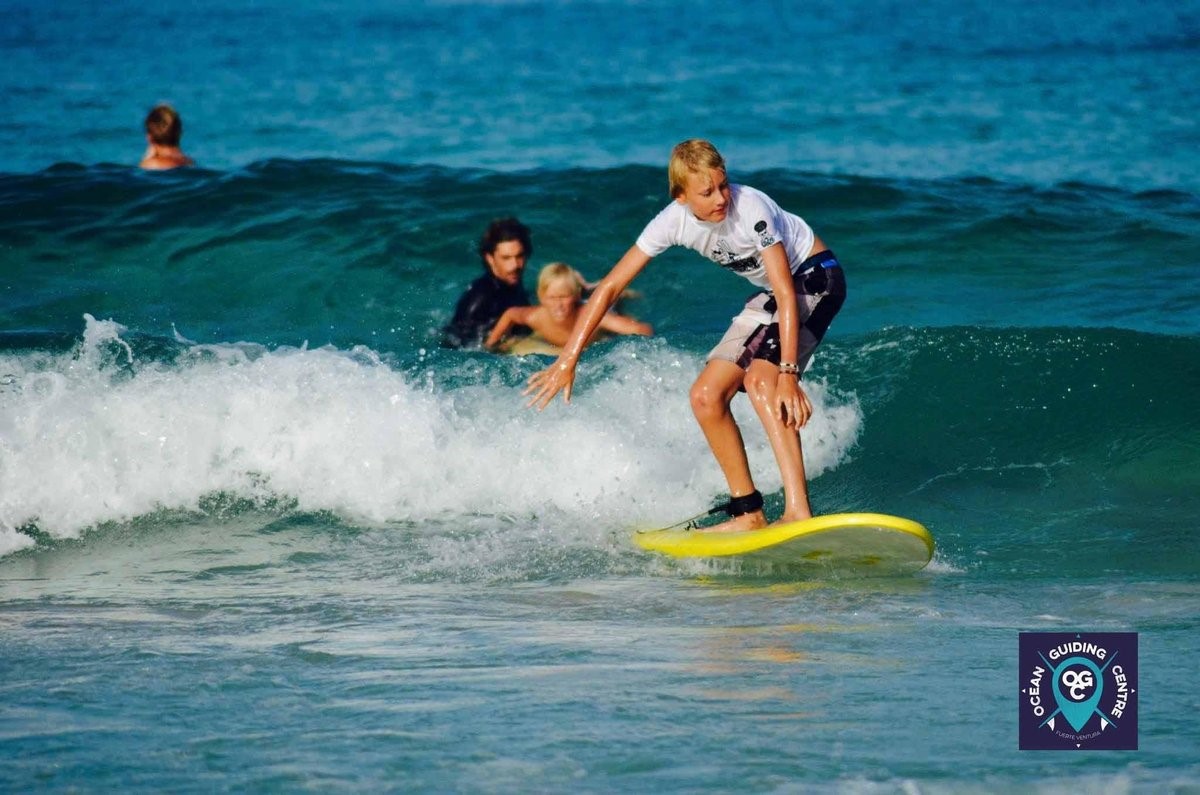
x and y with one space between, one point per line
693 156
556 272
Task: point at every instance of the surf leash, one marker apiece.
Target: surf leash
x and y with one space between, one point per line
736 506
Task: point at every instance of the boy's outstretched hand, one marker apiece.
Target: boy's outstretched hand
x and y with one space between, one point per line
558 377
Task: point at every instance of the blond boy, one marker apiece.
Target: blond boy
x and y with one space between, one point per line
769 343
560 299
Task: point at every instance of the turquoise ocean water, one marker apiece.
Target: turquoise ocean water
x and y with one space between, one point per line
258 532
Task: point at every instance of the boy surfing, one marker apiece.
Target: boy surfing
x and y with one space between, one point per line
768 345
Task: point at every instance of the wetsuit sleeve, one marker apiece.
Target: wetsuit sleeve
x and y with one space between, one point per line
470 320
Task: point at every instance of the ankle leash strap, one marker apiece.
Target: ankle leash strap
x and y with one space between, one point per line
747 503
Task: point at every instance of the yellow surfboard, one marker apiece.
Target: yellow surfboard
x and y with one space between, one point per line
531 345
865 543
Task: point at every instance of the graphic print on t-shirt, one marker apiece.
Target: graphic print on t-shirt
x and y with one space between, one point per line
727 258
765 238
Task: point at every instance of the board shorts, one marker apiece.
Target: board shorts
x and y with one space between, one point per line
754 334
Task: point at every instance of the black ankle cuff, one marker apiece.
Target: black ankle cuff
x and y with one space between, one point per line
747 503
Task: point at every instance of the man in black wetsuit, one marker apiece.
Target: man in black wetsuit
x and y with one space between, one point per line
504 249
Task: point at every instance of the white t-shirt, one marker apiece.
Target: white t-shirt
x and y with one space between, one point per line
754 222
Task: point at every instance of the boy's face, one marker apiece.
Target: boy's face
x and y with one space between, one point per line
560 299
507 261
707 195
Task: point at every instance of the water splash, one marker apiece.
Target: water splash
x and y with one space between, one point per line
100 434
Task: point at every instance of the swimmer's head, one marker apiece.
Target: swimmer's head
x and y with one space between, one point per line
163 126
560 288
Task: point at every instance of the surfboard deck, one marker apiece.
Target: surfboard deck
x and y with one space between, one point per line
530 346
864 543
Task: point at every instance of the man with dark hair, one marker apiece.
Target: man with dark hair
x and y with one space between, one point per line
505 248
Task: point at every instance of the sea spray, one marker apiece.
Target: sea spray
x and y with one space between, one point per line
100 435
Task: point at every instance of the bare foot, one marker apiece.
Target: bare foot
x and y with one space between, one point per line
755 520
789 518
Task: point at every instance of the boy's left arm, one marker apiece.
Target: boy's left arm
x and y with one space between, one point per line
623 324
791 404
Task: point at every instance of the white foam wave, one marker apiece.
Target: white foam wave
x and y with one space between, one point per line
94 436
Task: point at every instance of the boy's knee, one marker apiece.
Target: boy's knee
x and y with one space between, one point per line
706 400
759 385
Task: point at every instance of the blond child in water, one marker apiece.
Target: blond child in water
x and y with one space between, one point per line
560 298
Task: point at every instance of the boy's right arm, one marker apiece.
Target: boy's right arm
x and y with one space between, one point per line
512 316
560 376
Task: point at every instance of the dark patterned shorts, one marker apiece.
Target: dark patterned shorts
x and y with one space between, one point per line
754 333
